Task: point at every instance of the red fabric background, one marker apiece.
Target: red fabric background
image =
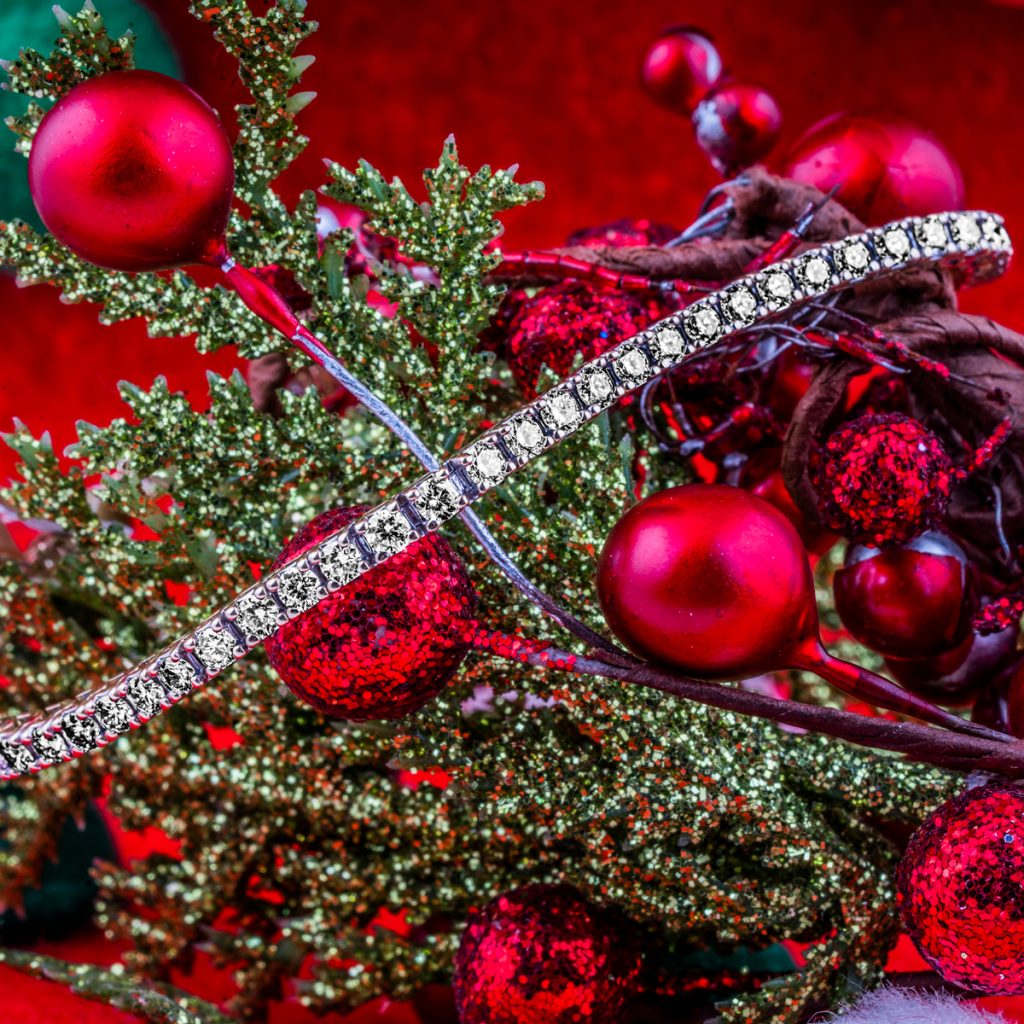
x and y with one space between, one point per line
554 87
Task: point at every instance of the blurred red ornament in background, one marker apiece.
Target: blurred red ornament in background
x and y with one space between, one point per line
132 171
543 954
961 892
885 168
384 644
679 68
736 125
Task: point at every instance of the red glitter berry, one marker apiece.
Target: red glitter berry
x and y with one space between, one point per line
569 319
882 479
386 643
543 954
961 889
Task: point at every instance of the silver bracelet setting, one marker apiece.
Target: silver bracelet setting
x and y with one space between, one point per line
975 242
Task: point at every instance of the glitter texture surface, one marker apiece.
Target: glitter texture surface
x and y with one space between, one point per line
383 645
545 955
961 889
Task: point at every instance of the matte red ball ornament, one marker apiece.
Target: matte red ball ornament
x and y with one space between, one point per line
543 954
386 643
679 68
961 889
882 479
736 125
910 601
885 168
132 171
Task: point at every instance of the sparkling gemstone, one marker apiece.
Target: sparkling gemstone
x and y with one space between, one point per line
50 748
528 436
215 647
563 410
814 273
177 676
741 304
777 286
387 531
145 699
113 715
18 756
994 232
931 233
436 499
595 385
256 616
488 464
896 243
632 366
703 324
855 256
300 589
966 231
83 733
671 343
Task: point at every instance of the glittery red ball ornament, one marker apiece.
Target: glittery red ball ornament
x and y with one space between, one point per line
882 479
910 601
709 579
961 889
386 643
543 954
736 125
680 66
572 318
132 171
623 233
885 168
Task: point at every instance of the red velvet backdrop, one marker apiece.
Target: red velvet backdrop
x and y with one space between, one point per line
552 86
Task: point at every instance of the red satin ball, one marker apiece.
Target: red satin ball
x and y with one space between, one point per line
736 125
961 892
680 66
909 601
885 168
386 643
544 954
132 171
709 579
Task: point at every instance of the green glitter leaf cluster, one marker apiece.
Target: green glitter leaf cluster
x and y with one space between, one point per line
294 832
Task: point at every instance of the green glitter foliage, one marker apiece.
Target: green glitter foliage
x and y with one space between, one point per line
293 832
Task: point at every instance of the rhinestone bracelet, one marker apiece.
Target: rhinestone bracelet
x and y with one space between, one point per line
976 243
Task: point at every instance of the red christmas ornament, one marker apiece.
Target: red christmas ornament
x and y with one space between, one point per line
386 643
882 479
736 125
885 168
961 889
910 601
624 233
680 66
543 954
567 319
132 171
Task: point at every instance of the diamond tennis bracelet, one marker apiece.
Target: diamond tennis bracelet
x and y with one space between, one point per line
976 242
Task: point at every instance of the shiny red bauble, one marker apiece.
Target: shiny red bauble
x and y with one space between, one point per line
132 171
882 479
386 643
680 66
736 125
709 579
910 601
885 168
543 954
961 889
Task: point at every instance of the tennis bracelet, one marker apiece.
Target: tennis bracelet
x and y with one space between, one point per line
976 243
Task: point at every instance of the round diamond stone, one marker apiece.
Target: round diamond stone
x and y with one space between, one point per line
632 366
489 462
216 650
994 232
50 748
930 233
340 562
564 410
704 324
815 273
670 342
113 715
387 532
177 676
855 257
896 243
741 304
298 589
530 437
18 756
777 286
966 231
255 616
83 733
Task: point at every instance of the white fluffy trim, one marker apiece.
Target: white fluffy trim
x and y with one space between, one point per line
905 1006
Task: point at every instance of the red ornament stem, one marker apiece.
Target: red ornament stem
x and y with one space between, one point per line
918 742
874 689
